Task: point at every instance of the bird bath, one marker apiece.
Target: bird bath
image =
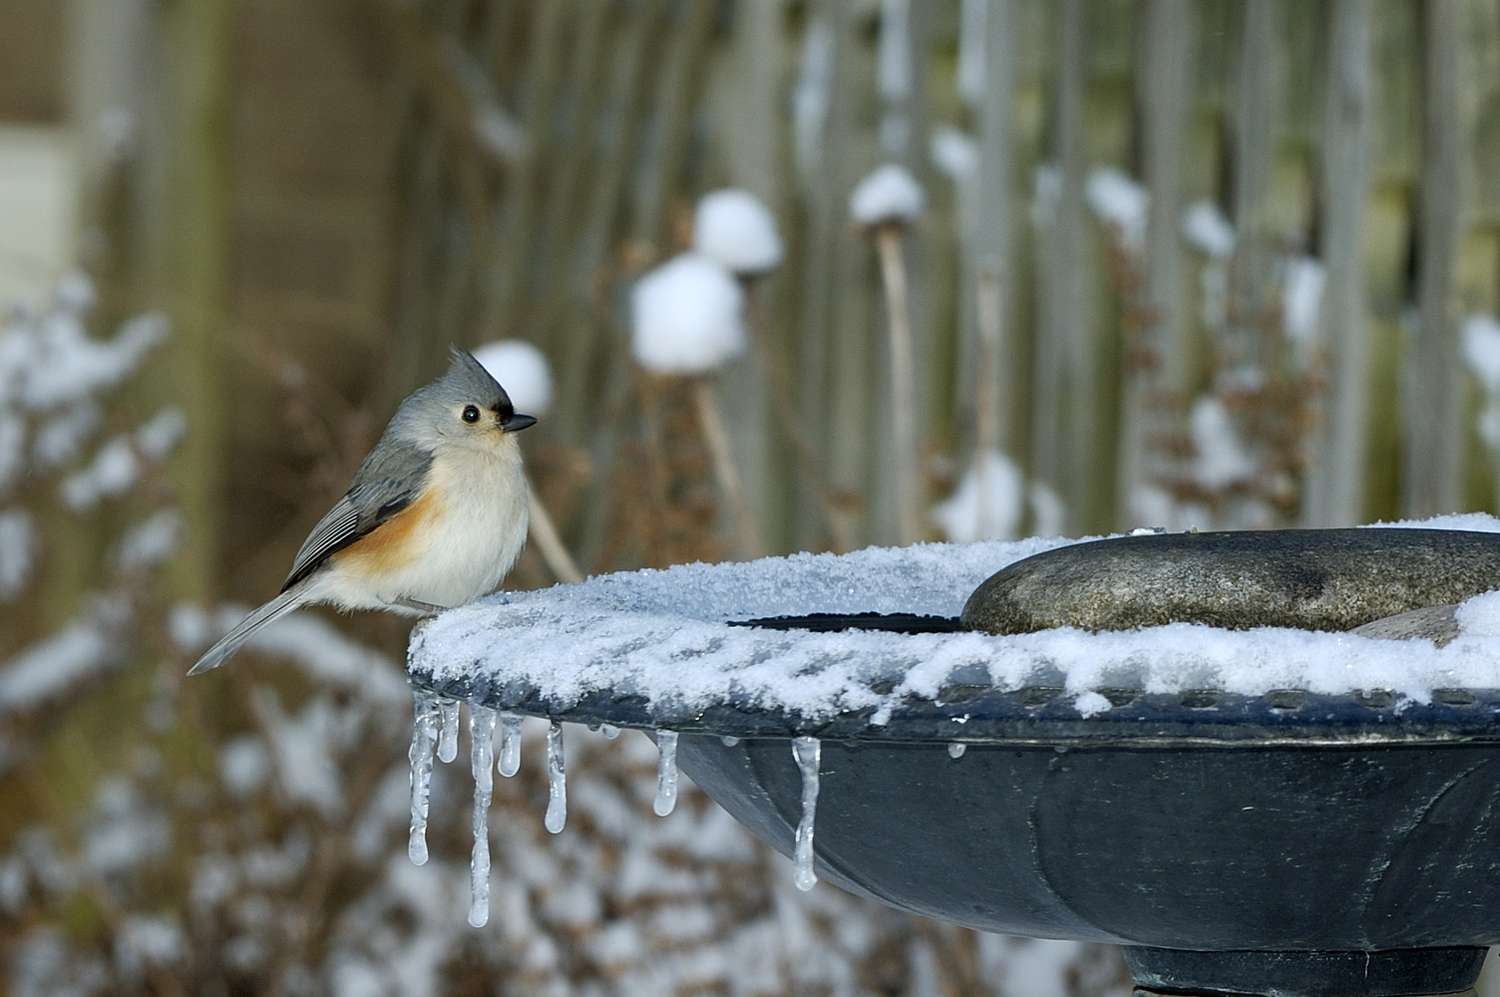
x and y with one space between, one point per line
1260 811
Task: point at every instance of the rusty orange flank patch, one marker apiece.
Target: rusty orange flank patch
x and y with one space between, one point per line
393 544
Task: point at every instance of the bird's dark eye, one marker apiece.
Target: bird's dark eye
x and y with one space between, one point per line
471 413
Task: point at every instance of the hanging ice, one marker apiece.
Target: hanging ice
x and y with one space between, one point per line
957 749
448 739
666 772
510 744
729 742
610 731
808 751
481 757
557 780
423 733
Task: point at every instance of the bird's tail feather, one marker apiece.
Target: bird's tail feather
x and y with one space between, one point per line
227 645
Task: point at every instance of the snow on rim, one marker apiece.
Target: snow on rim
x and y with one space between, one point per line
661 634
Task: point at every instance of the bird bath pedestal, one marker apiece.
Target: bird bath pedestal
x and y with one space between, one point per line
1243 821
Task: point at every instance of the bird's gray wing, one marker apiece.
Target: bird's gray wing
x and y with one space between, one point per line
391 477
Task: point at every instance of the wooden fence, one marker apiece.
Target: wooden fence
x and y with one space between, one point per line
1340 155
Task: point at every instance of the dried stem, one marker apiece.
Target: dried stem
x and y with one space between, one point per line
717 438
651 429
808 464
903 380
548 542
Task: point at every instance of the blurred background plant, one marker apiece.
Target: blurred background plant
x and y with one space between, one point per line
1117 263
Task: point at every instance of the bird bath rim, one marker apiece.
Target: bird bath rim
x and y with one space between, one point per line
670 649
1035 715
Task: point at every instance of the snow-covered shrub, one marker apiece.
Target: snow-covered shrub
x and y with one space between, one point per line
55 378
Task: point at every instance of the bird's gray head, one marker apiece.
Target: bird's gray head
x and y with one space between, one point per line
465 406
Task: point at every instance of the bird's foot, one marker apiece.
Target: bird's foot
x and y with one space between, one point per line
423 609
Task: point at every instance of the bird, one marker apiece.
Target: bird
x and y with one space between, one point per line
435 517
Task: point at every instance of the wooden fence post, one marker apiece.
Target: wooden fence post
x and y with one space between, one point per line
1336 481
1435 395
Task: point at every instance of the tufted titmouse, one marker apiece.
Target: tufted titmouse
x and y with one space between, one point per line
435 517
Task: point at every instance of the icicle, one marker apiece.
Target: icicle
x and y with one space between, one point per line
808 751
423 733
481 757
666 772
448 739
557 780
729 742
510 744
610 731
956 749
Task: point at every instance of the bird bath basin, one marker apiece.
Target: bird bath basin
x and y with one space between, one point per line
1260 811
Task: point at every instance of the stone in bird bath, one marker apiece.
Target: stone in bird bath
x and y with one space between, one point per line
1307 579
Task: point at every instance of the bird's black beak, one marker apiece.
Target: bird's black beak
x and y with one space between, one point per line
517 422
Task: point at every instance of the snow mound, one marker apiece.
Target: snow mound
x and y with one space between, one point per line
1302 280
662 635
954 151
735 228
1220 458
1480 338
1208 230
889 194
688 317
987 503
1119 201
18 543
522 371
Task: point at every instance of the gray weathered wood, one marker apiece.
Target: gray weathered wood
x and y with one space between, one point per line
988 264
829 410
753 146
1337 470
1255 138
1065 418
1153 395
1435 390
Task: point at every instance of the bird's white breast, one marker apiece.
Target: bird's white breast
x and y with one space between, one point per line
471 532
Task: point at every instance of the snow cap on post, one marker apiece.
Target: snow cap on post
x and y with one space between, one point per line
735 228
522 371
687 317
888 196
